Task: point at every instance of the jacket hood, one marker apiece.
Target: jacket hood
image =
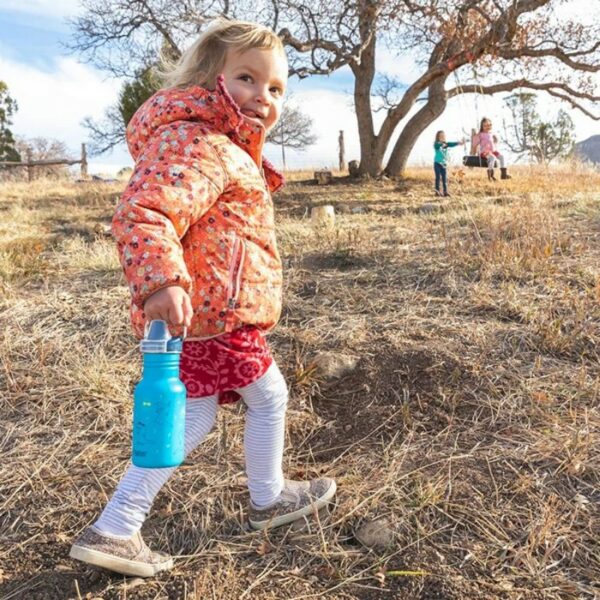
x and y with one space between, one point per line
216 109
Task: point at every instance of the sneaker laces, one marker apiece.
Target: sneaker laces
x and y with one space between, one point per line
292 492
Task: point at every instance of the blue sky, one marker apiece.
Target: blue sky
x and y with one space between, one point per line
55 91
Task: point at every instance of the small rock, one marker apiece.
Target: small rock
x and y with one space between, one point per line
377 534
353 166
323 216
333 365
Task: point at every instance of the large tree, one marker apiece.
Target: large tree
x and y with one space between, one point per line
8 107
529 135
459 46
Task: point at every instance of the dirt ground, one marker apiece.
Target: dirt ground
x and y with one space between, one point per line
470 420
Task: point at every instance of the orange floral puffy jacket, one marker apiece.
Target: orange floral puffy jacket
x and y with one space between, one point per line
197 212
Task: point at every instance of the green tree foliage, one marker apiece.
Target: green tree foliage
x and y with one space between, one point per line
528 135
8 107
111 130
133 94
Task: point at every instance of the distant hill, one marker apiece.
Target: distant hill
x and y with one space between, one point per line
589 149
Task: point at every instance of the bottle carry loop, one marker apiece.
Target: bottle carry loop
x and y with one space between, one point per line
158 339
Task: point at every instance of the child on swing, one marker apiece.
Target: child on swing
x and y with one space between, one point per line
196 238
440 162
485 141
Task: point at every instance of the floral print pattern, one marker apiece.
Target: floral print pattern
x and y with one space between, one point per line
223 364
197 212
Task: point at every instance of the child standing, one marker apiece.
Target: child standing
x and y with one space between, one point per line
196 239
440 162
485 141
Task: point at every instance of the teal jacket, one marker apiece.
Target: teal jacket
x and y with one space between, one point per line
441 151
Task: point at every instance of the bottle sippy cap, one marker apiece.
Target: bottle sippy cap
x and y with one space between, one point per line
158 339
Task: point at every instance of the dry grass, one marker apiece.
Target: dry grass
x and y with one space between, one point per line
472 420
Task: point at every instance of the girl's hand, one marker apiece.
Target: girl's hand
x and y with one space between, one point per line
495 139
171 304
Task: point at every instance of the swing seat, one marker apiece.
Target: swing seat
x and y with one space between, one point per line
474 161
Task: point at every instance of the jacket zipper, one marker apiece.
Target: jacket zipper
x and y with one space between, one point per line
235 275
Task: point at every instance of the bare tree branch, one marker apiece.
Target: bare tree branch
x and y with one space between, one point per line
498 40
553 88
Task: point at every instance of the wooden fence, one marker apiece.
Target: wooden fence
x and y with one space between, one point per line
30 164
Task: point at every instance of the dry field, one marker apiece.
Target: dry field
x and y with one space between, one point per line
471 422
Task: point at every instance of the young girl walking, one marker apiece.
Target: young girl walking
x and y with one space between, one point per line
196 239
484 144
440 162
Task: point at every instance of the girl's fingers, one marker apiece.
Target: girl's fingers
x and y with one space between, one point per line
188 312
152 314
175 315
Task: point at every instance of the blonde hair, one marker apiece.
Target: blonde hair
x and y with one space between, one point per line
484 120
204 60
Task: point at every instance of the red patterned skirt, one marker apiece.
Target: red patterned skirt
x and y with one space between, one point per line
222 364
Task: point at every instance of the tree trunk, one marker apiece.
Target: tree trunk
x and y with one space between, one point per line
371 157
414 128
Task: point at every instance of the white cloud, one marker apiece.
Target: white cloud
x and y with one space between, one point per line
56 8
402 67
53 104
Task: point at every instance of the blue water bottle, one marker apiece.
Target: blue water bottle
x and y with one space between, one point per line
159 402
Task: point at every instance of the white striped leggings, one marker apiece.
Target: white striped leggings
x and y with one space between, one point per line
493 160
266 401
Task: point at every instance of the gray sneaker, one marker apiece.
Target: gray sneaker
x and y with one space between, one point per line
129 557
298 499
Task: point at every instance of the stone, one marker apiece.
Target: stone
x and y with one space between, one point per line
323 215
323 177
333 365
375 534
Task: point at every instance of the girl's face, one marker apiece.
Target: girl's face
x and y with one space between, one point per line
487 125
256 80
442 137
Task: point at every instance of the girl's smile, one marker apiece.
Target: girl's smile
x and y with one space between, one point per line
256 80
